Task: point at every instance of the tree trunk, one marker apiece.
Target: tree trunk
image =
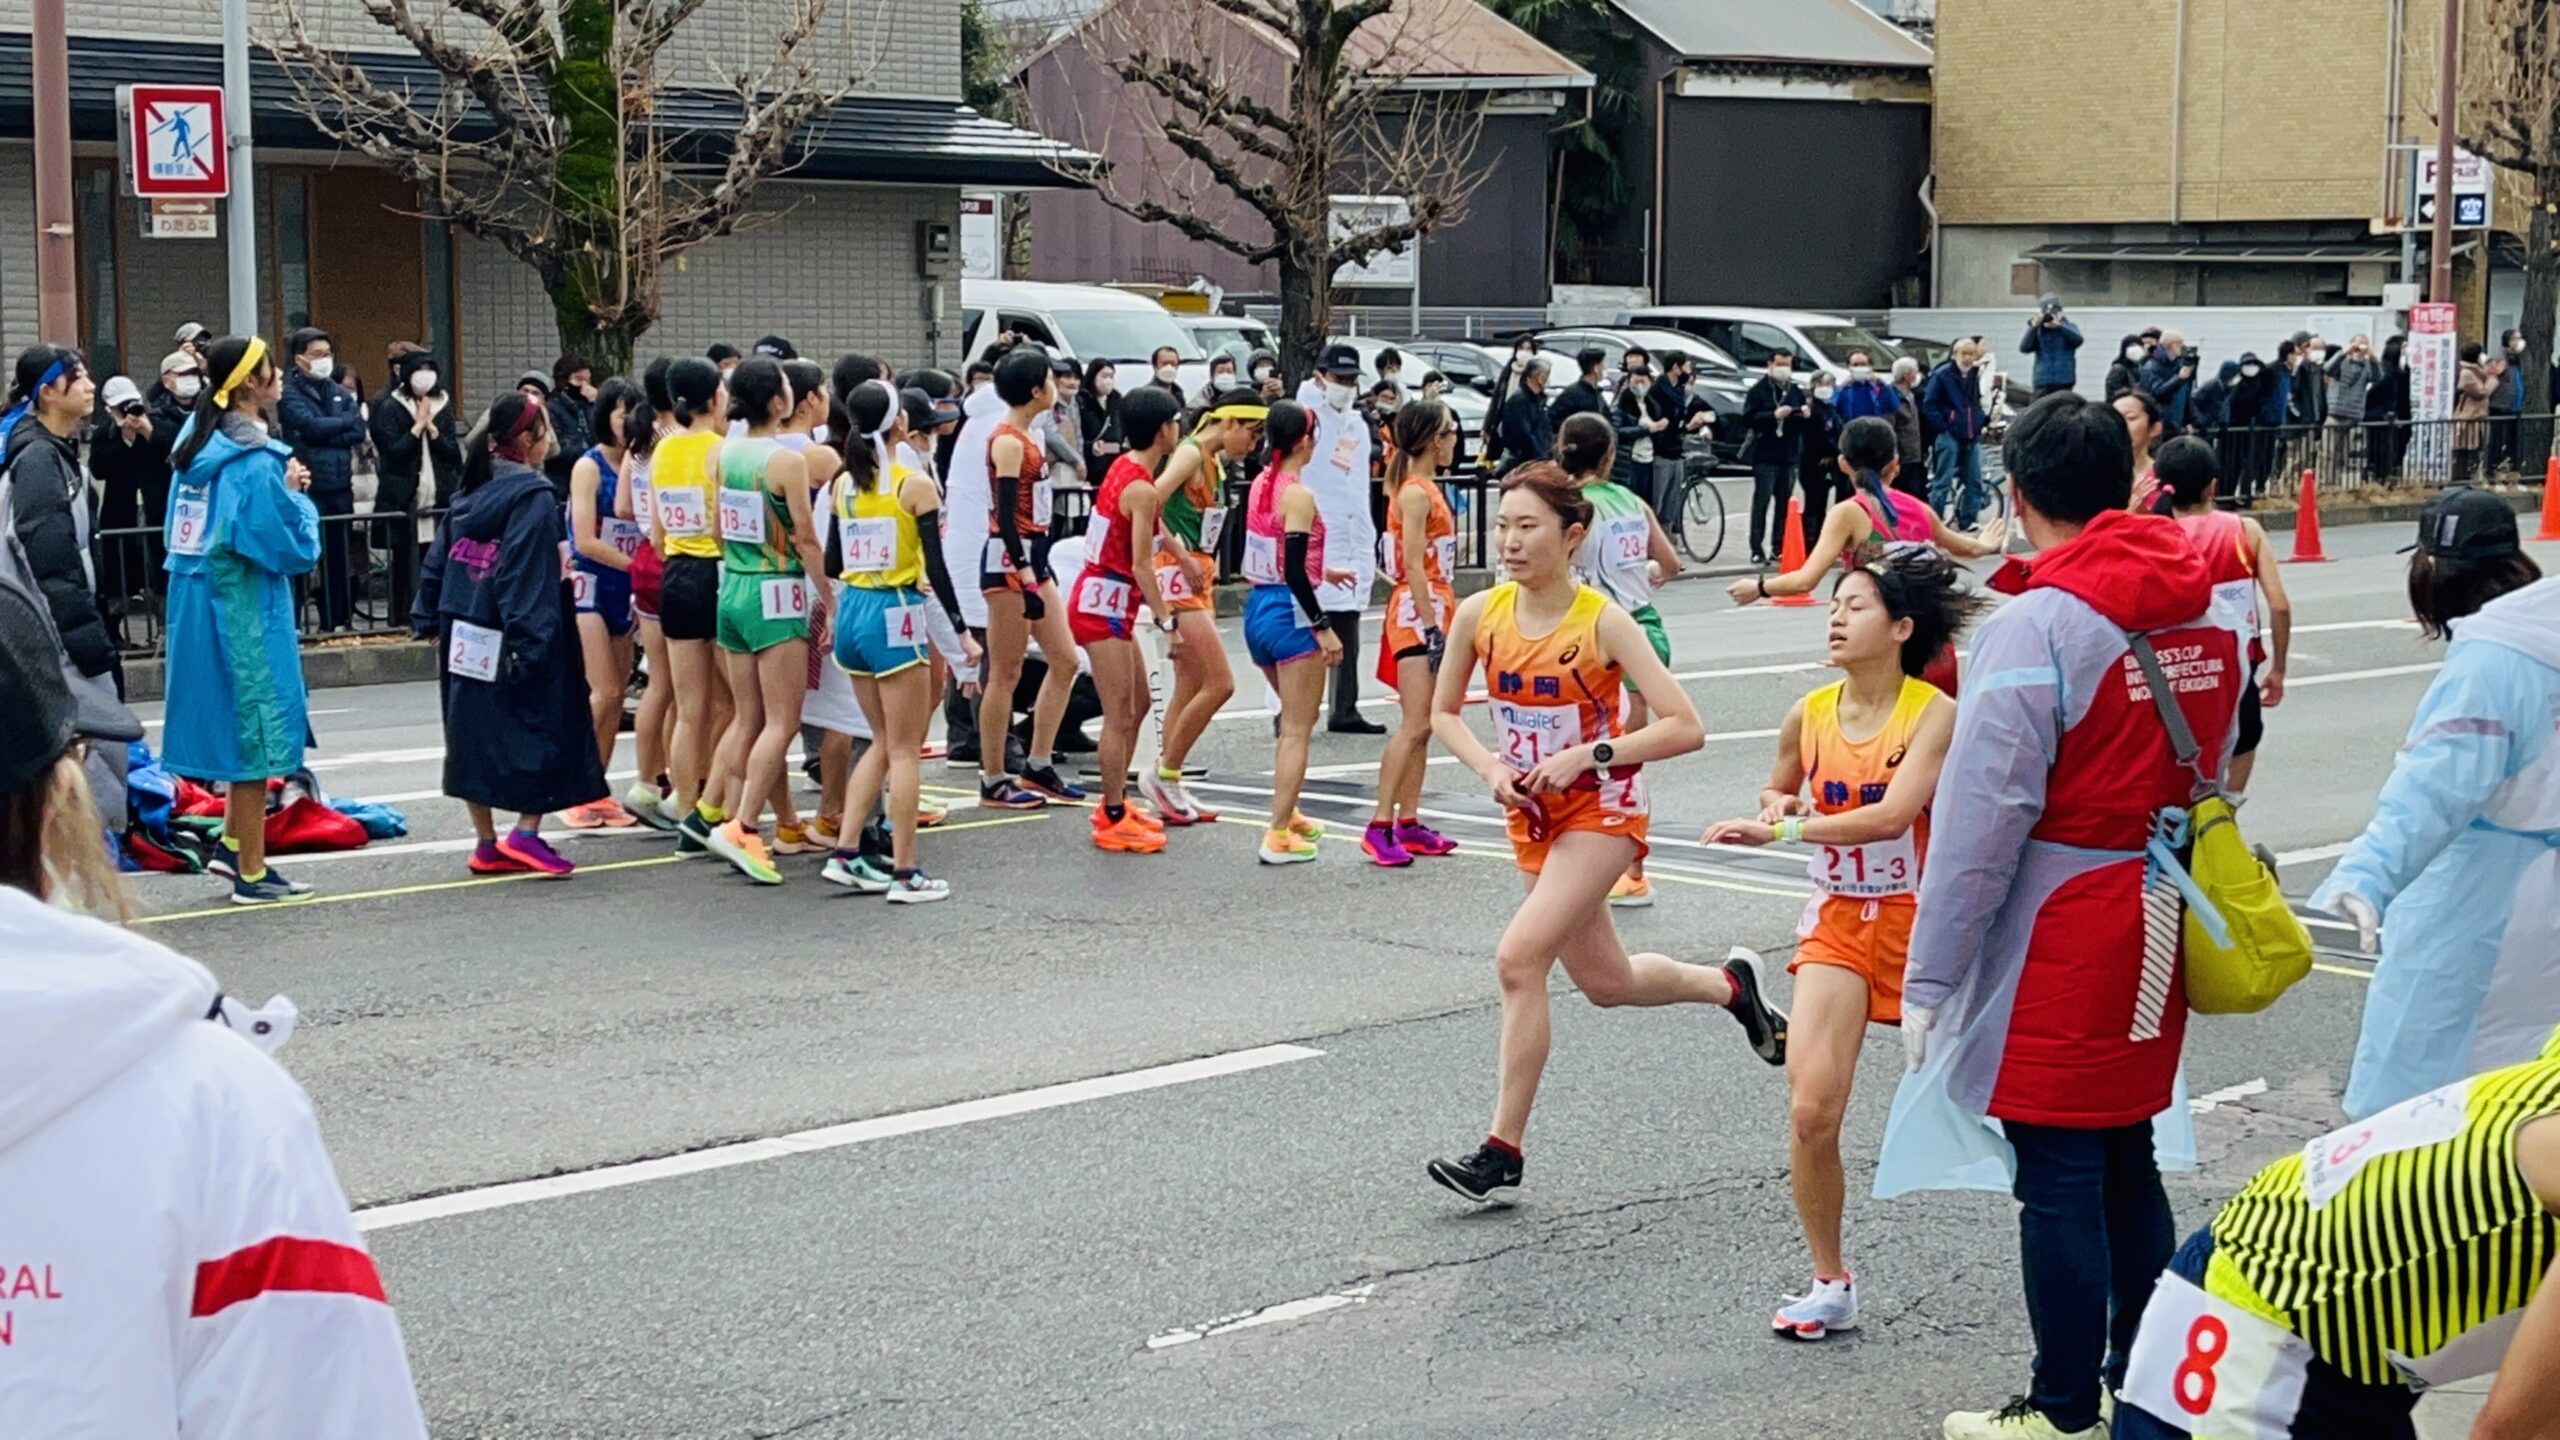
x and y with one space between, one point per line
1306 315
606 349
2541 295
591 296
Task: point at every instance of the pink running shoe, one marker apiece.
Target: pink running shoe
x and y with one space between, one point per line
1421 839
1378 842
530 850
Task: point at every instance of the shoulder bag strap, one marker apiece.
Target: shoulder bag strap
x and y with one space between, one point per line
2182 736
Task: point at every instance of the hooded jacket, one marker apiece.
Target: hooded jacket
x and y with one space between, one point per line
2030 943
181 1260
2209 408
2258 399
2462 859
2054 347
49 505
237 536
404 456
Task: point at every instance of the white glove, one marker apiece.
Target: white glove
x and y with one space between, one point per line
1916 1020
2359 911
267 1027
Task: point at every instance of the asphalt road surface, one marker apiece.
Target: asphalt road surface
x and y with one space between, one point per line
1132 1146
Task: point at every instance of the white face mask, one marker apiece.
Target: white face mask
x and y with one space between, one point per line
819 434
1169 373
1261 373
1390 377
422 382
2248 369
2319 355
2133 352
1861 374
1822 392
186 386
1638 384
323 368
1105 385
1339 395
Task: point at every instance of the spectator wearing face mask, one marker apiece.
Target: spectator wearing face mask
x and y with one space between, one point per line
1262 370
2506 402
1638 428
1865 392
1391 376
1910 437
1773 410
2390 403
320 421
2353 373
2055 343
1099 405
2475 384
419 443
1819 475
2257 413
570 404
2209 403
1338 474
129 458
1166 367
2125 373
1504 387
1527 432
2170 375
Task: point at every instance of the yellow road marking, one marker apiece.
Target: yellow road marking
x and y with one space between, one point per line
2342 970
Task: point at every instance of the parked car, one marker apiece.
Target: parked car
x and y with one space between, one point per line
1478 367
1721 382
1084 322
1233 336
1751 336
1468 404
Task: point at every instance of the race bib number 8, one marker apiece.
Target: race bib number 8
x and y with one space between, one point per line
1875 869
2212 1369
2331 1163
473 651
680 510
785 598
870 546
742 517
1529 734
190 524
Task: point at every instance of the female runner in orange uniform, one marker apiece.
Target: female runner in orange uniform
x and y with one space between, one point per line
1555 655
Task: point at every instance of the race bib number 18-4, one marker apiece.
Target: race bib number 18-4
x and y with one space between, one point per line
742 517
2214 1370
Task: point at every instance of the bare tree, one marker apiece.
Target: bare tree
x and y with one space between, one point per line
2510 116
1255 113
542 136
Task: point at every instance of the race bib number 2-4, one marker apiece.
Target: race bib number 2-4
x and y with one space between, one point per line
2214 1370
472 653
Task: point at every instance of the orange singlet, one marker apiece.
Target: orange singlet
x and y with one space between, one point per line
1414 606
1861 919
1549 693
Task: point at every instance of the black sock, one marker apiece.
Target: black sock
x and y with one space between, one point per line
1115 813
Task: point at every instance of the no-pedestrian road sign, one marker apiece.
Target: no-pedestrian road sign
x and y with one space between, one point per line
175 142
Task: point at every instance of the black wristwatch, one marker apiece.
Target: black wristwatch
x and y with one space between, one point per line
1603 754
1763 582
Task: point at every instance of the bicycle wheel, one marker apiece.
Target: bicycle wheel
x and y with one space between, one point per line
1701 517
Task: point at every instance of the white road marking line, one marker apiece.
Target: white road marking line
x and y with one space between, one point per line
2355 625
2385 672
831 1137
455 846
2316 852
1268 1315
2208 1103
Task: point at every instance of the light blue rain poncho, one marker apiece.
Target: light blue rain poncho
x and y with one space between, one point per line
237 534
2462 861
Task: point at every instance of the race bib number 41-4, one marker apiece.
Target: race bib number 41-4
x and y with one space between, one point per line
2214 1370
870 546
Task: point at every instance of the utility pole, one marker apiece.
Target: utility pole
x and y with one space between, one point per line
2440 270
242 209
57 258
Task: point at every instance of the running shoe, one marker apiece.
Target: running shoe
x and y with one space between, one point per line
582 817
1126 836
1046 780
1420 839
744 848
488 859
1765 1024
1488 1177
1170 799
615 816
917 888
693 834
822 831
531 852
226 863
648 805
1380 844
1002 793
267 889
858 873
1829 1306
1304 828
1631 892
930 813
798 840
1281 847
2017 1420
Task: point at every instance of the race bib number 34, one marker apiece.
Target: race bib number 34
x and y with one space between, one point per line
2213 1369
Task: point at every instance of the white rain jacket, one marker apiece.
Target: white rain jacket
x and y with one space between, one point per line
2462 860
1338 476
176 1258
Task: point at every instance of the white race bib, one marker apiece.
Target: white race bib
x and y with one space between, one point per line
2331 1161
1097 536
1529 734
870 546
568 561
582 588
682 511
1262 559
623 535
742 516
1626 796
1870 871
473 652
1107 597
1444 556
1625 540
903 625
1044 502
190 523
1213 523
644 502
1171 583
2211 1368
785 598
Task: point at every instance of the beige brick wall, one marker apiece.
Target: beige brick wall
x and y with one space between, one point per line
2060 113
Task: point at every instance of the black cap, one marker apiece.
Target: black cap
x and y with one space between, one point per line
777 347
1063 365
1339 360
40 714
2466 524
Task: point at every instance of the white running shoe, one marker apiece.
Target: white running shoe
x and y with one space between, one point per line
1171 800
1828 1306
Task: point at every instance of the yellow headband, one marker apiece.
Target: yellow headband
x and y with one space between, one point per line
1253 413
247 367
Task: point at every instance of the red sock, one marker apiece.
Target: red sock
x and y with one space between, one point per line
1500 1146
1734 999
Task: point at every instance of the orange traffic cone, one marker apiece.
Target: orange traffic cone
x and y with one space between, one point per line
2550 501
1791 551
2306 524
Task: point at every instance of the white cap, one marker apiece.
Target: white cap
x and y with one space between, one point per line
178 362
121 391
191 331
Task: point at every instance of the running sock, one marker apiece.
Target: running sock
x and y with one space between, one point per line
1734 1000
1115 813
1169 773
248 879
1500 1146
231 843
905 872
711 814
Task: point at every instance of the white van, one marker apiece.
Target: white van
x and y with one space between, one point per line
1751 336
1085 322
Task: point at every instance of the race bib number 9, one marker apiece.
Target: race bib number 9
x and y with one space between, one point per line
2330 1163
1529 734
190 523
742 517
1105 597
681 512
2214 1370
1875 869
785 598
472 653
870 546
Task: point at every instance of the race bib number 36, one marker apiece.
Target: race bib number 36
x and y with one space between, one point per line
2213 1369
1529 734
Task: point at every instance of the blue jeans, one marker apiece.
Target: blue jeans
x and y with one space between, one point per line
1950 460
2333 1406
2094 1232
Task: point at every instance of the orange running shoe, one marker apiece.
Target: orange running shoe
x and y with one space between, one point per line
1128 836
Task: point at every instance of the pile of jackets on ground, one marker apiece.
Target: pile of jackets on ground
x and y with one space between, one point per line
174 825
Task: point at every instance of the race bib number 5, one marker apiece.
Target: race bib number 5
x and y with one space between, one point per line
2214 1370
1530 734
1869 871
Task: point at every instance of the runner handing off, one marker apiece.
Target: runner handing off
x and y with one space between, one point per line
1870 746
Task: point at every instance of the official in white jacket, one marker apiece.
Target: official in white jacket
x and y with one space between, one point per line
176 1258
1338 476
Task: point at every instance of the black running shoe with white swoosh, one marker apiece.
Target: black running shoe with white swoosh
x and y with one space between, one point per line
1488 1177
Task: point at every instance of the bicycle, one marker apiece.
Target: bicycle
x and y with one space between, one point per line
1693 512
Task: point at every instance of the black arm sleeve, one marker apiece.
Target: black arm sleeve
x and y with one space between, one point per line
1294 570
1008 515
937 570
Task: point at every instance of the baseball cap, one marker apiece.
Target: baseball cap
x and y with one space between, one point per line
1063 365
192 332
179 362
40 713
2466 524
1340 360
120 392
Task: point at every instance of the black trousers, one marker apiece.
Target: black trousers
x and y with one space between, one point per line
334 583
1823 484
1346 676
1769 489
